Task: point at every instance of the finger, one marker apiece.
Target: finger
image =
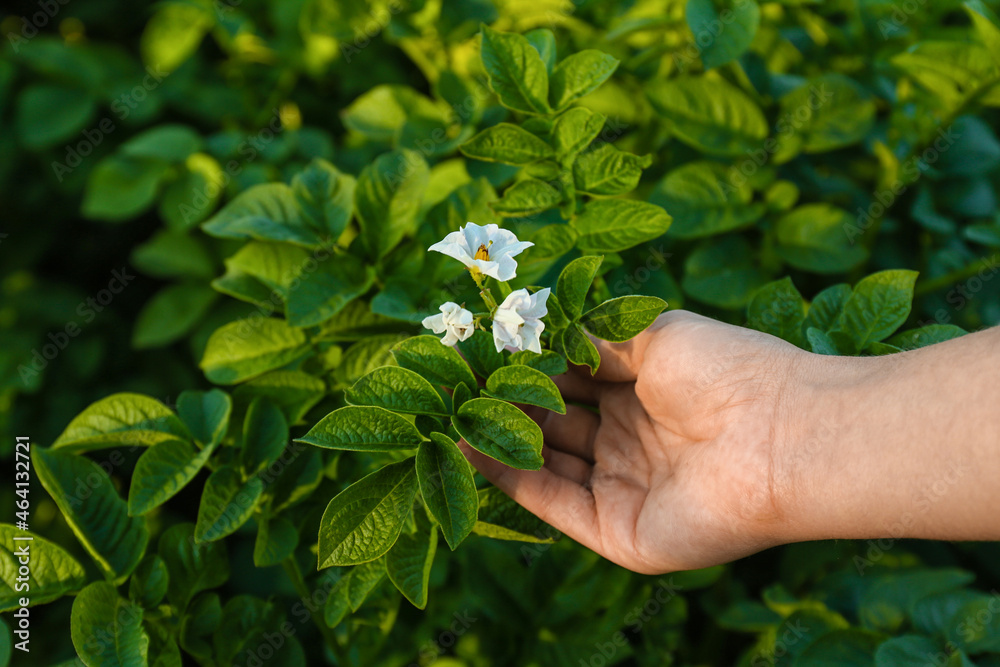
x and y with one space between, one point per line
620 362
562 503
579 387
572 433
566 465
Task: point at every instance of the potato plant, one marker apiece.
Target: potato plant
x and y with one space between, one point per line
367 231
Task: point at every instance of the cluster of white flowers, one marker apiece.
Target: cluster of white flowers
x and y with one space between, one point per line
489 251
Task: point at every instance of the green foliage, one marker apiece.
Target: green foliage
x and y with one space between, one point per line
821 172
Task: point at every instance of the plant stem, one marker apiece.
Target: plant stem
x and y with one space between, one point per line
958 275
294 573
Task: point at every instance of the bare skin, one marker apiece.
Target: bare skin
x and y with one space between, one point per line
714 442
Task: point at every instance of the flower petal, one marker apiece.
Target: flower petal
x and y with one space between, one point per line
452 249
435 323
506 268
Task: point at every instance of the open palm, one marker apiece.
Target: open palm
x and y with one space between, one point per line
674 470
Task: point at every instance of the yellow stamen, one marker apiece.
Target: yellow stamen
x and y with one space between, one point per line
483 252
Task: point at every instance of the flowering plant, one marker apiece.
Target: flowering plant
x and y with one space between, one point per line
327 444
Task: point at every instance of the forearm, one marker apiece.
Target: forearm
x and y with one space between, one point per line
905 445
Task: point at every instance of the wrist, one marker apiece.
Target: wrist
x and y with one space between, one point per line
823 474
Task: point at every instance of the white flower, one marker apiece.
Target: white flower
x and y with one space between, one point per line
454 320
517 323
486 249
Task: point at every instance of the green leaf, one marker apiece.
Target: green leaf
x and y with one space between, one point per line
820 342
409 561
748 616
723 272
107 630
356 322
265 435
613 225
878 305
170 142
527 197
481 353
507 143
578 348
722 40
6 644
574 130
548 362
170 314
975 627
247 622
193 195
148 584
826 307
381 113
266 212
363 429
807 625
545 43
298 479
387 198
365 356
173 34
503 519
985 23
162 471
579 74
448 487
294 392
201 620
325 197
277 539
338 601
48 114
710 114
951 71
926 335
705 199
275 265
907 651
364 579
461 394
516 71
621 319
120 420
87 498
120 188
842 648
777 308
53 572
440 364
830 111
574 283
226 503
521 384
500 431
812 238
606 170
397 389
206 414
362 522
170 254
320 294
247 348
193 566
888 602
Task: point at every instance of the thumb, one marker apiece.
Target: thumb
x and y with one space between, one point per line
620 362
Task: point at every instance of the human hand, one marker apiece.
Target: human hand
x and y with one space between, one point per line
678 470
